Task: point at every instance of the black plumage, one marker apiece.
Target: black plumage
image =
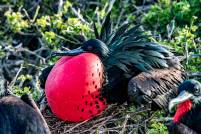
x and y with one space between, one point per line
21 116
44 74
180 128
125 53
190 121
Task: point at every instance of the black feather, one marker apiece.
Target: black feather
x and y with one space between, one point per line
44 74
96 31
131 53
19 117
106 28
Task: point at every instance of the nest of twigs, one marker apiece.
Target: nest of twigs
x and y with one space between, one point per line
116 119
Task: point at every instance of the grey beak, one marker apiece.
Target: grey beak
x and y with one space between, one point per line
73 52
183 96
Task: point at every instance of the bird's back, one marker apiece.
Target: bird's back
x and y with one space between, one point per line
17 117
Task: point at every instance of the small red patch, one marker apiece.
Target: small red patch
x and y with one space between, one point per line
182 109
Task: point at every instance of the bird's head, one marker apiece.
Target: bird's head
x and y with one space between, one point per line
91 46
189 97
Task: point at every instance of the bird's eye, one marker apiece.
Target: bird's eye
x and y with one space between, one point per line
197 90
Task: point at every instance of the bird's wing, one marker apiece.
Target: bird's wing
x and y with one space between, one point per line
130 48
160 85
44 74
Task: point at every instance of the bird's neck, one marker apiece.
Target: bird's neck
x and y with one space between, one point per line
182 109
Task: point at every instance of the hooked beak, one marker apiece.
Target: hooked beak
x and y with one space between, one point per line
182 97
73 52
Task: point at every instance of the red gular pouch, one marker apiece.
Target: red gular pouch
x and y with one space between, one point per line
73 87
182 109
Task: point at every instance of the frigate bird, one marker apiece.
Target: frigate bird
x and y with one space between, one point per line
187 118
125 54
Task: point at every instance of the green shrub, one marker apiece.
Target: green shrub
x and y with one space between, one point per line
163 12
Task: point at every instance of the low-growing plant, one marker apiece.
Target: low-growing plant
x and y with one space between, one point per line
163 12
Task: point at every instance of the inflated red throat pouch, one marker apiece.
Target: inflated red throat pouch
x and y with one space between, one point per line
73 87
182 109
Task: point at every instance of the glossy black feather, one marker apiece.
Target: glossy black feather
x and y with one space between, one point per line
131 53
126 43
106 28
43 76
96 31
